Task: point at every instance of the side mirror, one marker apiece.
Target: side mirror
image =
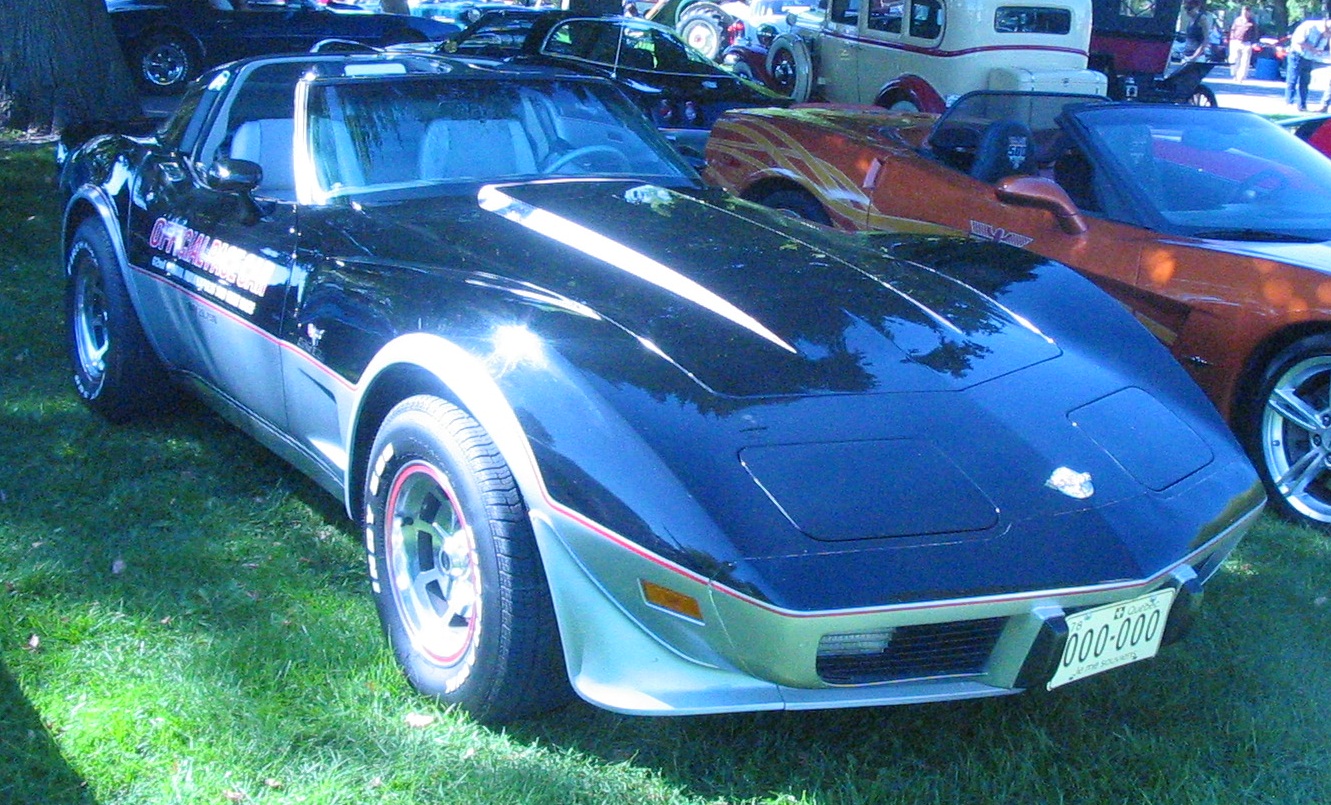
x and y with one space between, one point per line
1041 193
229 175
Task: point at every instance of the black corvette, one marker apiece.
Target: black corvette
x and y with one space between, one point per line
603 424
169 42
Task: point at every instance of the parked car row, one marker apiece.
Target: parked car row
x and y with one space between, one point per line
611 430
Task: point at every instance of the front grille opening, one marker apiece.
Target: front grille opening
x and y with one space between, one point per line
908 652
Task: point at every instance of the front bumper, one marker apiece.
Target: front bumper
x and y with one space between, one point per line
630 655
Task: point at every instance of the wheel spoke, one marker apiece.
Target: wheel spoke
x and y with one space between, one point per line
1301 473
1295 410
461 598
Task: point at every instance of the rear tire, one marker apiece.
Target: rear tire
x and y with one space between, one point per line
1203 96
454 567
800 203
116 371
1286 427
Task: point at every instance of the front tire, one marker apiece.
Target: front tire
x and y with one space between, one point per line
115 370
1287 429
454 567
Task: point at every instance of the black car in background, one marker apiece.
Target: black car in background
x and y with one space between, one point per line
681 90
169 42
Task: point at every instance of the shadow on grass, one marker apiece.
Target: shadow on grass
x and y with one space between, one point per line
36 772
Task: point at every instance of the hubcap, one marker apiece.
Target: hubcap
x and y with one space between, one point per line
165 65
702 39
1296 437
432 567
783 73
91 338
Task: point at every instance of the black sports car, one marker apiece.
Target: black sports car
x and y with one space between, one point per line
603 424
675 85
169 42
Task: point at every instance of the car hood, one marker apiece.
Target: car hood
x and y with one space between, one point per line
785 309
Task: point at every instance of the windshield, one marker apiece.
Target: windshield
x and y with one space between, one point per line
416 135
1213 172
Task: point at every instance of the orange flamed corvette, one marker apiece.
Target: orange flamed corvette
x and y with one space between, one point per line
1211 225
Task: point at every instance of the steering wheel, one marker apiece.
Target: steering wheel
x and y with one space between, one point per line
1251 189
561 160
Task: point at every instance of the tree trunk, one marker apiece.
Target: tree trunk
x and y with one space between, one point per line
60 65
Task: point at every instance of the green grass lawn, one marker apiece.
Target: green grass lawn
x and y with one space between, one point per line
183 619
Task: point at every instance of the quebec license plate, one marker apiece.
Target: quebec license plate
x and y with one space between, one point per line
1113 635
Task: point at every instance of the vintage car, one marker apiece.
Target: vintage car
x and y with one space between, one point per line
682 91
1211 225
168 42
701 23
922 54
1132 42
602 423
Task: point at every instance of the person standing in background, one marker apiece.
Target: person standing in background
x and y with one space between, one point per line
1308 47
1195 25
1242 36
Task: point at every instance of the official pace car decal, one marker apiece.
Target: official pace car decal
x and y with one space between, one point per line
224 272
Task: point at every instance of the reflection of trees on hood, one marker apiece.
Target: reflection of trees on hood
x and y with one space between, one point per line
849 313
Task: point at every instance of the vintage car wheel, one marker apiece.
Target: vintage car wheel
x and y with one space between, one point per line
115 370
166 63
791 68
798 202
742 69
457 580
1290 434
703 28
1203 96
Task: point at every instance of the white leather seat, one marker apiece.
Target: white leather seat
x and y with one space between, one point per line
268 143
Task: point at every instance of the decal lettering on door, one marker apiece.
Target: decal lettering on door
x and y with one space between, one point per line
224 272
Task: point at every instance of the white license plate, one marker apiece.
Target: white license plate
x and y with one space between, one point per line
1113 635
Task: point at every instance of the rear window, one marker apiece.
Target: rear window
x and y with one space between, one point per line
1032 20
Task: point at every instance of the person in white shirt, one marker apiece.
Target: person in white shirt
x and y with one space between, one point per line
1308 48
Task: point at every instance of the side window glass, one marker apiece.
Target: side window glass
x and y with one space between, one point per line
846 12
570 39
888 16
926 19
181 130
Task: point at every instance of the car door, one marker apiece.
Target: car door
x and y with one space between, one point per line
213 266
839 53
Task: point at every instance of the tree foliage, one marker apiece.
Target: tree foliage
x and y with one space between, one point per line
60 65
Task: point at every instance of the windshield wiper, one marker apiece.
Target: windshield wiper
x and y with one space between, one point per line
1265 235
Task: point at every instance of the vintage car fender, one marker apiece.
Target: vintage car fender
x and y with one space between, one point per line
912 93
